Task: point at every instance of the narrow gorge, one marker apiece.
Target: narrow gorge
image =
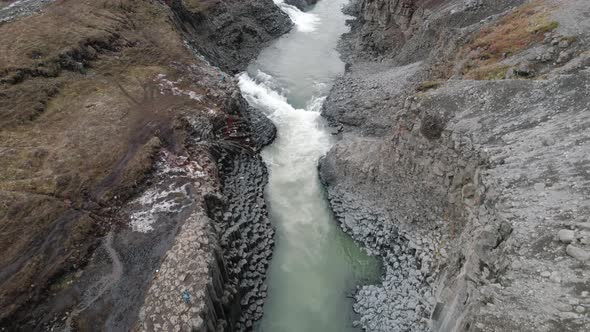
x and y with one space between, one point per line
294 165
315 266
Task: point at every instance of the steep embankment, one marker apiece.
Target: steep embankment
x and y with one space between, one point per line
463 162
130 184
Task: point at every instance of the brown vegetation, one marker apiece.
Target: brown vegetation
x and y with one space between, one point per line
517 31
81 119
512 34
489 72
428 85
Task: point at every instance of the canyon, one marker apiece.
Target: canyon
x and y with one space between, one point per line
134 163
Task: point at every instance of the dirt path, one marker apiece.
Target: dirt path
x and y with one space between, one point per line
105 283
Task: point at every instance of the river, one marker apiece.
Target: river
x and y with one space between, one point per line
316 266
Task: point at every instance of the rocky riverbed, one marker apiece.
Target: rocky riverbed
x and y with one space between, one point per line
460 162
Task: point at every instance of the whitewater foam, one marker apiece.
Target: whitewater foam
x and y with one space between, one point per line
305 22
300 141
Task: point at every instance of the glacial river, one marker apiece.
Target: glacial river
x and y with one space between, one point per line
316 266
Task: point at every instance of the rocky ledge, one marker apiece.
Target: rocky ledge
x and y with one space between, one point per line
462 162
130 184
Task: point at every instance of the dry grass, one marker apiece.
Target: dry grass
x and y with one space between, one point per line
511 35
70 140
490 72
428 85
515 32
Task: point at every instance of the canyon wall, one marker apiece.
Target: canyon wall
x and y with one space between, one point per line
460 162
131 186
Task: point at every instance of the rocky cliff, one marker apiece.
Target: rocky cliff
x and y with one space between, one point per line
461 162
130 184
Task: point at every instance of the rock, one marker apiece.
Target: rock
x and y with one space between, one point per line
545 274
547 38
578 253
563 307
566 235
548 55
568 315
555 277
574 301
548 141
564 56
564 43
472 4
524 70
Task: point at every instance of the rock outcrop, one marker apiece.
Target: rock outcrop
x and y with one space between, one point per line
458 169
130 166
214 30
301 4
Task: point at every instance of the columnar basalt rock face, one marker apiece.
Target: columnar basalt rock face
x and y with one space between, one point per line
458 185
247 233
384 27
218 264
212 27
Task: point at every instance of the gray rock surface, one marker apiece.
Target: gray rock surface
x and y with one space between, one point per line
566 236
578 253
461 189
231 33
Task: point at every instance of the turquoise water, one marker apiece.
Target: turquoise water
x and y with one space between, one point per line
315 266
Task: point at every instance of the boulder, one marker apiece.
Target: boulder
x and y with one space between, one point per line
578 253
566 236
